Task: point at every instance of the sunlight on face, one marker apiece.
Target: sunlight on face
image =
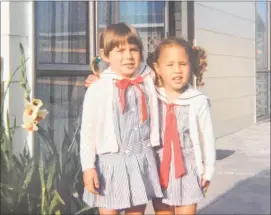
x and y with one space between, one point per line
124 60
173 67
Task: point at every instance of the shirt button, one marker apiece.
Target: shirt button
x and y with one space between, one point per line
126 151
135 128
133 109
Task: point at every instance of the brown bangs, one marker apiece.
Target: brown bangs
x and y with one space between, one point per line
119 34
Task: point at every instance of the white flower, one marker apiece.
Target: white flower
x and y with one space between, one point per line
29 124
41 115
33 115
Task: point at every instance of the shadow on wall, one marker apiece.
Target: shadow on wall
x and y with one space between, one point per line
249 196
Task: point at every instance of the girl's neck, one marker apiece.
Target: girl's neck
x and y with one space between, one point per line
123 75
174 94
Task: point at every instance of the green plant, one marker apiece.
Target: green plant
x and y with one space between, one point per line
50 182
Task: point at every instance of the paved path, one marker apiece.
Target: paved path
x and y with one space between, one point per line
241 184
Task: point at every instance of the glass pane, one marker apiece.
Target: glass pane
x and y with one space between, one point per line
62 32
146 16
261 35
63 98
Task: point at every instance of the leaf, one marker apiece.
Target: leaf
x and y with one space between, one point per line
23 158
26 152
41 171
58 212
86 208
43 196
4 197
51 175
64 153
25 177
57 199
46 139
43 201
7 160
18 163
21 48
29 175
8 85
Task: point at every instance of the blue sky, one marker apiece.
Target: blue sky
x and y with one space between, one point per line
262 9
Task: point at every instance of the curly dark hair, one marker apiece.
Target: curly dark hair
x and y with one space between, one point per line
196 55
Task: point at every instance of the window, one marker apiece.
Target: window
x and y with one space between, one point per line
263 58
148 17
62 60
62 34
65 32
262 34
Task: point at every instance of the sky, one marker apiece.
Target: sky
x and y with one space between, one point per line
262 9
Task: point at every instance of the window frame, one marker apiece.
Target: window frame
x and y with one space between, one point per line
64 69
269 36
92 13
268 57
167 20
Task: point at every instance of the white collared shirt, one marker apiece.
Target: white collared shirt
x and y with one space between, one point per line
200 127
97 129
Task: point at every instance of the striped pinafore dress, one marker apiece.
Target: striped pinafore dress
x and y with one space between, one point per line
185 190
129 177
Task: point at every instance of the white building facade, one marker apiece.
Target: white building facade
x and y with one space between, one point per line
61 37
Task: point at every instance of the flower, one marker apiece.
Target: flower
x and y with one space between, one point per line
37 102
33 115
41 115
30 125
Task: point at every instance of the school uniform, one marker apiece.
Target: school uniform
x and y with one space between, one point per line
181 174
117 139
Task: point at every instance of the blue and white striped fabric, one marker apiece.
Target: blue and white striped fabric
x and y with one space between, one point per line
185 190
129 177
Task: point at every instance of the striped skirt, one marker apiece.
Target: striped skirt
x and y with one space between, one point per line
187 189
126 180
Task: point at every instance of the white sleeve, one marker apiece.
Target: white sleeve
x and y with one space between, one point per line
88 128
207 139
149 71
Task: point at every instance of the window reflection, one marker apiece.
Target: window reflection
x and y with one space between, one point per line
146 16
62 32
62 97
261 35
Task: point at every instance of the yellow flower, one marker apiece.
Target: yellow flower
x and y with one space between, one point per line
37 103
33 115
41 115
29 124
32 108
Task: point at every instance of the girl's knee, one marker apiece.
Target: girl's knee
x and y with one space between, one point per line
186 210
136 210
104 211
161 208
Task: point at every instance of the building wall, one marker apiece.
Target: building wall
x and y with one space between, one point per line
16 27
226 31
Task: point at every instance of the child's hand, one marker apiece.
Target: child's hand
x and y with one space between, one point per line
91 180
91 79
205 185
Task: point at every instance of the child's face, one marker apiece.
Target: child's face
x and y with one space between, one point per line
124 60
173 67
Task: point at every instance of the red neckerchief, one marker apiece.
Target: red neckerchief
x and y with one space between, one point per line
123 85
171 136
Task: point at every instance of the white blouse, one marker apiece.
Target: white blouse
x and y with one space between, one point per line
200 127
97 134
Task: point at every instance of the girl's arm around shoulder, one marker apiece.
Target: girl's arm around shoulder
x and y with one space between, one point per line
207 138
93 101
149 73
